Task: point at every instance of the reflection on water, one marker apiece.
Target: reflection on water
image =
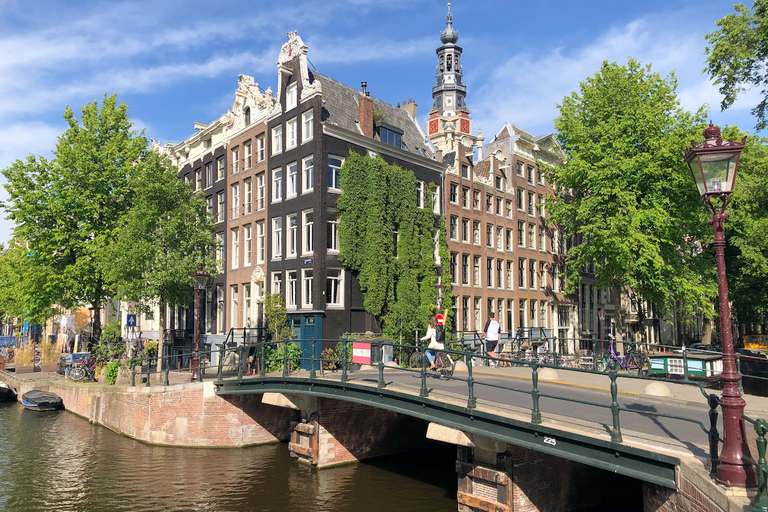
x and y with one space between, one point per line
57 461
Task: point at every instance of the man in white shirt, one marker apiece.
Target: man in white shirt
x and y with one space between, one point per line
491 334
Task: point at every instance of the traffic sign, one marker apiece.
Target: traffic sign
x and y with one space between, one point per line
440 319
130 321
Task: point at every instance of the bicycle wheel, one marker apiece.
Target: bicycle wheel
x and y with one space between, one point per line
601 365
444 365
77 373
643 365
37 360
415 361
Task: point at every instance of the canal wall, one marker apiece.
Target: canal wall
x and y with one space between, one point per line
189 414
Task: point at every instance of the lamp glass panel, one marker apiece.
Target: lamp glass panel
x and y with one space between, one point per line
718 170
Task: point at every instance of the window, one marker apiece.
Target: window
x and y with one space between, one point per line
510 240
499 205
309 232
476 312
499 274
454 228
476 199
499 238
235 160
261 191
334 164
542 275
391 136
542 240
521 273
291 96
234 306
293 180
476 232
261 245
307 126
247 115
520 171
542 313
333 287
277 140
292 127
465 269
510 278
465 230
277 283
208 174
465 197
420 194
260 153
531 236
277 185
222 202
509 208
539 177
292 288
454 267
235 200
465 312
277 237
235 256
208 309
476 271
307 287
454 193
293 234
247 305
489 235
247 155
308 174
530 174
248 199
332 232
531 274
211 206
248 248
220 308
489 272
465 171
488 203
221 166
499 182
219 252
520 233
198 179
555 278
533 313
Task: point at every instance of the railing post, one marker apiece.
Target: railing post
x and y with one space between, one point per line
714 437
616 432
263 363
149 365
594 356
761 504
685 364
239 361
344 376
535 413
312 373
423 391
133 372
166 371
738 370
222 355
286 368
471 401
381 384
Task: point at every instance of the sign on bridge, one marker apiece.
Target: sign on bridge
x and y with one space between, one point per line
361 352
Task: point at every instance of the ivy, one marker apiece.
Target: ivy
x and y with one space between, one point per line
389 243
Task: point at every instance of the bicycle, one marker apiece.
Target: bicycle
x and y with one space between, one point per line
444 363
83 370
633 361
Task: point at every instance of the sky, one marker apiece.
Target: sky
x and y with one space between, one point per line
175 63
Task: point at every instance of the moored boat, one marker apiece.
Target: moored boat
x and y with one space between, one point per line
37 400
7 394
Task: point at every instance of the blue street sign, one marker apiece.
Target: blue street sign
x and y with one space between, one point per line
130 321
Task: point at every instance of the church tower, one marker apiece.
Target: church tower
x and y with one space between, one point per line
449 126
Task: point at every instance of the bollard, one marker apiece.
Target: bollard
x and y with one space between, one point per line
714 438
535 413
616 432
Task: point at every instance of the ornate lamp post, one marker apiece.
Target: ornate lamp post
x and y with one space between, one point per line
199 279
713 164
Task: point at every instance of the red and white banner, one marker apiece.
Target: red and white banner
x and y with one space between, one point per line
361 352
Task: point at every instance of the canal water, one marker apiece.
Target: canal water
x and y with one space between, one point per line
59 462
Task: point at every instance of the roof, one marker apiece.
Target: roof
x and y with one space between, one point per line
341 107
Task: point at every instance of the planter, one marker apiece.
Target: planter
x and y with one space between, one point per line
49 367
25 368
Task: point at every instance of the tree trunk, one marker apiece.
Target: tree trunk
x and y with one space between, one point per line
161 333
619 312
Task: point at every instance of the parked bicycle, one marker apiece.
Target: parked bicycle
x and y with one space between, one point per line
8 353
444 363
83 370
634 361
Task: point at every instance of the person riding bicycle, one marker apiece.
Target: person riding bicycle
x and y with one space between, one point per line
491 334
434 342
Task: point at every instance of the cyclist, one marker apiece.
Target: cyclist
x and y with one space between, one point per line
491 334
435 339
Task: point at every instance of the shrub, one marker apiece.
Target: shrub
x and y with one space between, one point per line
111 372
111 345
274 357
50 352
340 353
25 353
150 348
330 359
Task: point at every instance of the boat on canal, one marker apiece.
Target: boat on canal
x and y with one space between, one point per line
37 400
7 394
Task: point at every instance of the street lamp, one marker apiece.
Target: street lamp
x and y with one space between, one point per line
199 280
713 165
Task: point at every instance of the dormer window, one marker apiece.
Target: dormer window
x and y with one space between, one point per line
389 134
247 115
291 96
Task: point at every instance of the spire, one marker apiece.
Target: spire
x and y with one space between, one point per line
449 90
449 35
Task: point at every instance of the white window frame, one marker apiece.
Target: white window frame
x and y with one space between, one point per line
277 238
292 133
332 231
307 287
247 247
291 96
334 275
247 196
277 140
308 232
247 155
292 236
261 242
235 160
332 176
260 147
261 191
235 246
276 283
221 168
221 204
292 177
234 298
308 174
291 288
247 304
235 189
277 185
307 126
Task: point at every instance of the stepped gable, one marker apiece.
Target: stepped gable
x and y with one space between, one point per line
341 108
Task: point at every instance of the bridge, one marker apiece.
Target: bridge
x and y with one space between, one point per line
495 416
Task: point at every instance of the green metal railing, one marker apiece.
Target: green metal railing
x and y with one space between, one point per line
761 427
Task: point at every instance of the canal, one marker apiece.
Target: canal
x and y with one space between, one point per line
59 462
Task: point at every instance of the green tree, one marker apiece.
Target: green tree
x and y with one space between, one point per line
67 209
737 56
165 234
627 194
277 317
746 230
389 243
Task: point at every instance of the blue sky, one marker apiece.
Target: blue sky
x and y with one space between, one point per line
177 62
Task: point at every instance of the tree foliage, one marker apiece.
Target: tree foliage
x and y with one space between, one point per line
737 56
26 290
627 194
277 317
747 230
67 209
389 243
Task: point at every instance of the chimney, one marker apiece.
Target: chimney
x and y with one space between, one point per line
410 107
365 116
